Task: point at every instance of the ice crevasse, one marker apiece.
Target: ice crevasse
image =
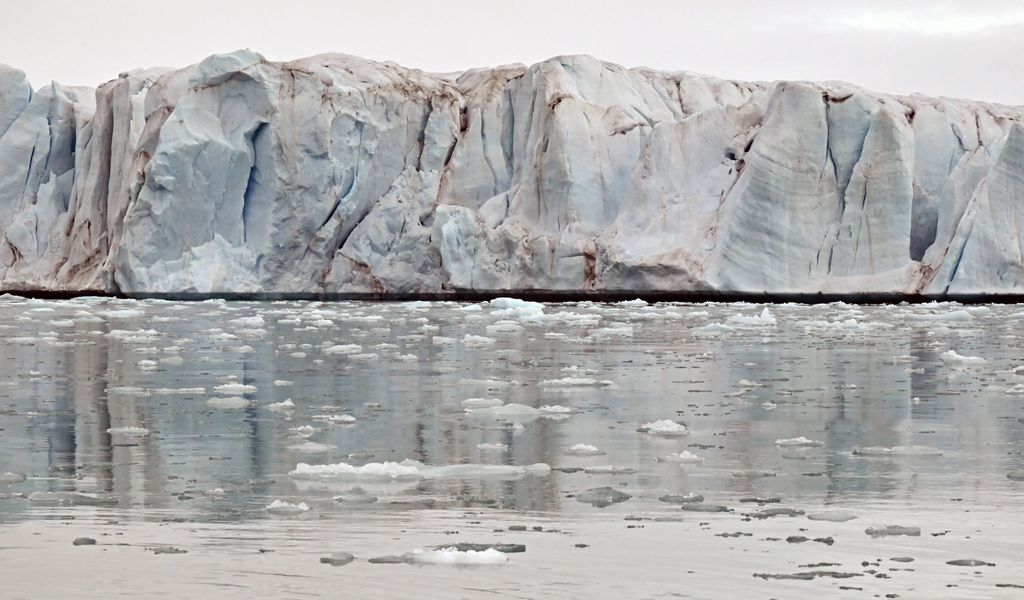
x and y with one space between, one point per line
338 175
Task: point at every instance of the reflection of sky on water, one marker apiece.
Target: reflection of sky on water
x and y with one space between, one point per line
64 384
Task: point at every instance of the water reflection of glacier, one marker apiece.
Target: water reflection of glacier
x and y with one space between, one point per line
846 376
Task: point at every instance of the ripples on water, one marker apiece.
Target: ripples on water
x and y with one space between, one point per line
149 425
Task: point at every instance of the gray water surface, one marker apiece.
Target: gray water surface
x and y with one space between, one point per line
147 426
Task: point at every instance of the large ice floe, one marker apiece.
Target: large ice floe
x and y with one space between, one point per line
338 175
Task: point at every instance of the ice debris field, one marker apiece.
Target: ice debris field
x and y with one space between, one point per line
430 449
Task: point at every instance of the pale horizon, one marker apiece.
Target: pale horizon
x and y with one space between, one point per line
910 47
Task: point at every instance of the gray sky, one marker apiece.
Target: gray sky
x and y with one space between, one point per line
960 48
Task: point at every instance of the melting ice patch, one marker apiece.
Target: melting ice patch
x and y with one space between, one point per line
128 431
576 382
454 556
411 470
583 450
286 509
798 442
766 318
950 357
664 428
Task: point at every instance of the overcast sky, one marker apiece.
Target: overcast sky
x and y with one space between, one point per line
960 48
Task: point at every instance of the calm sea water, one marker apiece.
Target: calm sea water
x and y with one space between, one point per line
225 448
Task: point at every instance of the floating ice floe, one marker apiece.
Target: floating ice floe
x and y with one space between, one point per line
477 340
575 382
9 478
478 403
284 406
664 428
950 357
255 321
343 349
613 331
897 451
956 316
72 499
766 318
684 457
286 509
514 308
602 497
345 419
303 430
410 470
583 450
312 448
609 470
486 447
234 388
128 431
183 391
228 402
453 556
712 330
798 442
283 382
833 516
892 530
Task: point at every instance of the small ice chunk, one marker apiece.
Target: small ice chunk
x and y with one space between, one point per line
832 516
602 496
453 556
956 316
583 450
575 382
9 478
234 388
504 410
556 409
308 447
684 457
410 470
478 403
950 357
338 559
230 402
798 442
335 419
285 406
892 530
283 382
343 349
664 428
303 430
486 447
477 340
897 451
286 509
128 431
766 318
256 321
690 498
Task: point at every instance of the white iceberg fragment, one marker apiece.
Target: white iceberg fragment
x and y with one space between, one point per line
664 428
798 442
286 509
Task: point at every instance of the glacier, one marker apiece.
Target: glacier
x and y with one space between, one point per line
338 176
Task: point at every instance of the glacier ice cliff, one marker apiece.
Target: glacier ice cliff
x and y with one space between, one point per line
338 175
